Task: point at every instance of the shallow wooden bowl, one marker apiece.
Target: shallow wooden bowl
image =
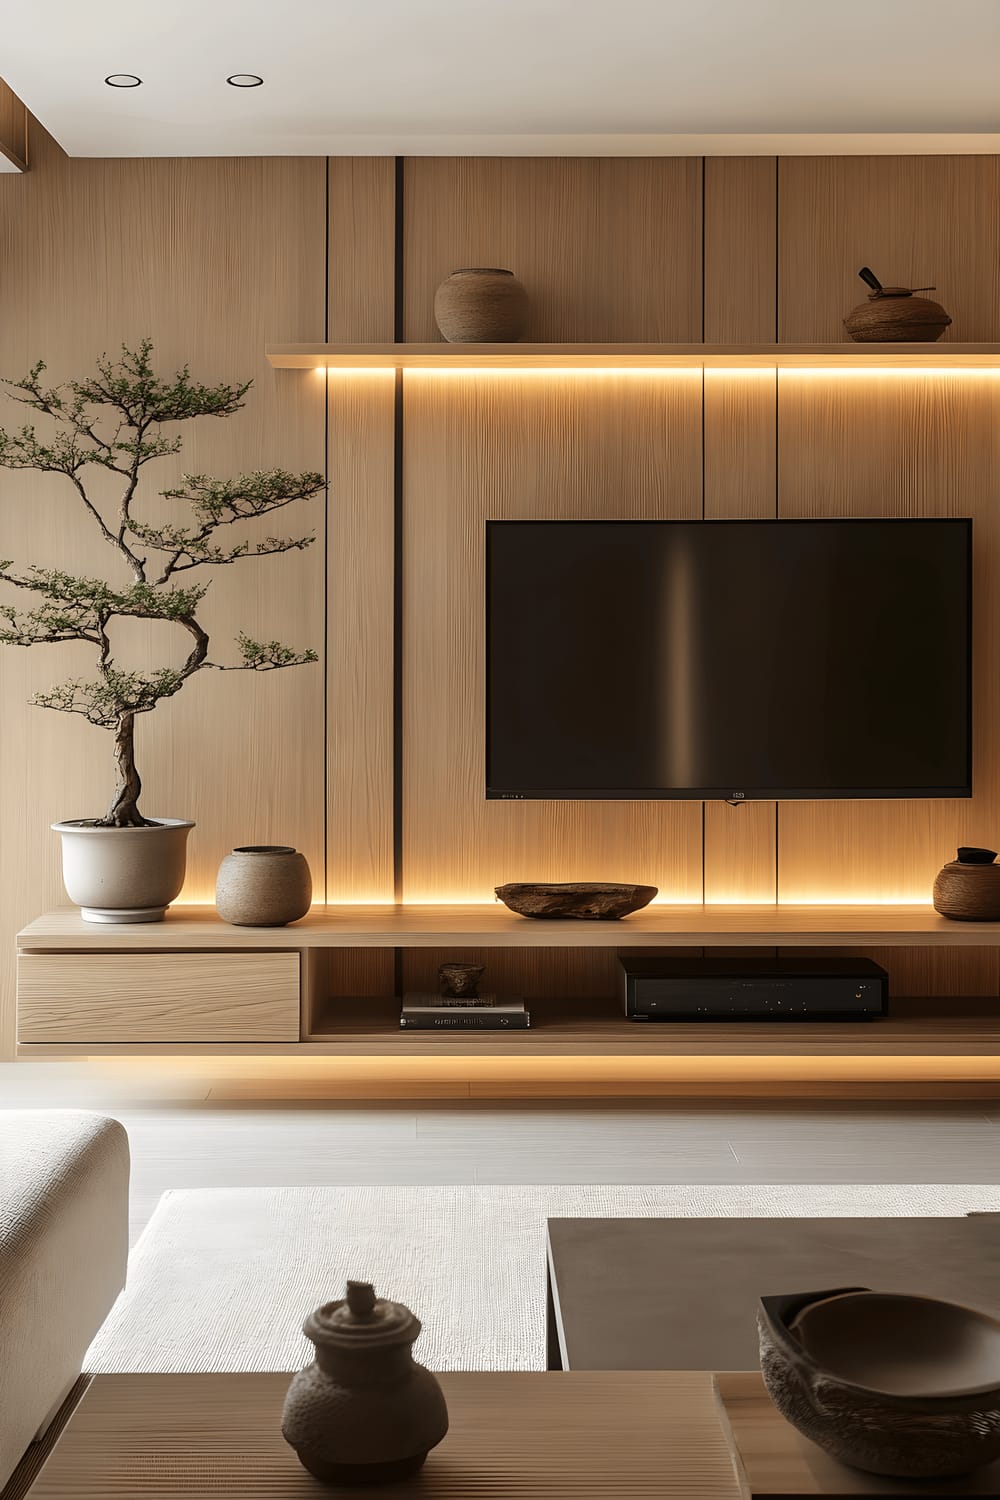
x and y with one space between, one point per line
585 900
897 1385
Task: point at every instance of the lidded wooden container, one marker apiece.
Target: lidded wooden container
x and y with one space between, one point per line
968 889
893 314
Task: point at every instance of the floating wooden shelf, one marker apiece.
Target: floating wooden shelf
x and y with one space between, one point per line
493 926
581 1028
598 357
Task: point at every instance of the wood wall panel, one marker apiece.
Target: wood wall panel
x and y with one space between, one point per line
914 219
213 259
897 446
360 639
608 248
508 447
740 483
362 196
740 249
13 128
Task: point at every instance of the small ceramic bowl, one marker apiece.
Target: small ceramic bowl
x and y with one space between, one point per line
897 1385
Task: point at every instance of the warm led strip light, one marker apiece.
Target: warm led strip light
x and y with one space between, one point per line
646 372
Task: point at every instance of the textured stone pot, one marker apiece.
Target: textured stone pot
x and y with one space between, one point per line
897 1385
364 1412
263 885
123 874
968 889
481 305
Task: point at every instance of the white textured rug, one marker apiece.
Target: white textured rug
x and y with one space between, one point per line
222 1279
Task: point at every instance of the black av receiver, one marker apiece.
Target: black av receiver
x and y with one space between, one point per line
753 989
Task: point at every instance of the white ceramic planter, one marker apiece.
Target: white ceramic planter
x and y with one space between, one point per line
124 874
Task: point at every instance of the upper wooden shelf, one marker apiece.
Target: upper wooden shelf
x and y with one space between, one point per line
493 926
443 356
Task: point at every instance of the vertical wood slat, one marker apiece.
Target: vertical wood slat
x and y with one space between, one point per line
13 128
609 249
913 219
740 249
361 270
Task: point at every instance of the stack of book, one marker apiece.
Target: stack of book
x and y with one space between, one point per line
422 1012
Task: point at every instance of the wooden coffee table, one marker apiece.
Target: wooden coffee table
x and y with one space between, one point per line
681 1294
520 1436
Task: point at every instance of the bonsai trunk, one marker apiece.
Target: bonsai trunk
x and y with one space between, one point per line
124 810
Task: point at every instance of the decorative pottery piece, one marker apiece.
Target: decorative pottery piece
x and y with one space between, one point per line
893 314
968 889
263 885
460 981
364 1412
904 1386
481 305
588 901
123 874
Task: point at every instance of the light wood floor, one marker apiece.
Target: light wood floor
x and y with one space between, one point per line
185 1135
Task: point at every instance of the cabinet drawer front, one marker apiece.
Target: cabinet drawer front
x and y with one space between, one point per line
158 997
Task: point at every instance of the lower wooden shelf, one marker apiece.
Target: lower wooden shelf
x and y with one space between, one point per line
581 1028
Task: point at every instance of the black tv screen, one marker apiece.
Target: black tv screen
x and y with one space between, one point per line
728 659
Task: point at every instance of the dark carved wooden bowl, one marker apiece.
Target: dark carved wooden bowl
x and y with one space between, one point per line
585 900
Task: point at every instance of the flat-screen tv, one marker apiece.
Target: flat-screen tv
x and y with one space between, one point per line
728 659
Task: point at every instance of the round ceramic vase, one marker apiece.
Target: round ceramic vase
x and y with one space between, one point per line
263 885
481 305
364 1412
124 874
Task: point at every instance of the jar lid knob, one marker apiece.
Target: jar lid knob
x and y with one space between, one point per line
361 1298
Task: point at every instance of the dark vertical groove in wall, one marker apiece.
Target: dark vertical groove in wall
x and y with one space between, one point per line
703 251
326 536
777 408
397 560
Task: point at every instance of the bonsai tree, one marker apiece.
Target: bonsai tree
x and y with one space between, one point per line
117 421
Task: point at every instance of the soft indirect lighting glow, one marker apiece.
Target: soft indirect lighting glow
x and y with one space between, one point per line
518 372
906 372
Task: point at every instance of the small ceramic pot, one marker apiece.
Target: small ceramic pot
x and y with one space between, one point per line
968 889
481 305
263 885
124 874
364 1412
897 1385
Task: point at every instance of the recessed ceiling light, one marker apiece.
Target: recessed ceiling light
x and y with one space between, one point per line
123 81
244 80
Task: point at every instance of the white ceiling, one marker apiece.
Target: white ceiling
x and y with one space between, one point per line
519 77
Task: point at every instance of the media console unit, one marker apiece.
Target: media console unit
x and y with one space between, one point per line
195 985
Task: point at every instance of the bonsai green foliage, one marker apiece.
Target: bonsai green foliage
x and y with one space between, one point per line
113 421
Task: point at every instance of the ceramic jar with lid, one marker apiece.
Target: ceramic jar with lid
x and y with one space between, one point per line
364 1412
968 889
263 885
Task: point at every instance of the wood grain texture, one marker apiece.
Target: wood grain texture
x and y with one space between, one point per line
345 357
481 449
607 249
361 203
360 640
740 249
776 1461
105 251
740 483
915 220
525 1436
13 128
897 446
158 997
493 926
